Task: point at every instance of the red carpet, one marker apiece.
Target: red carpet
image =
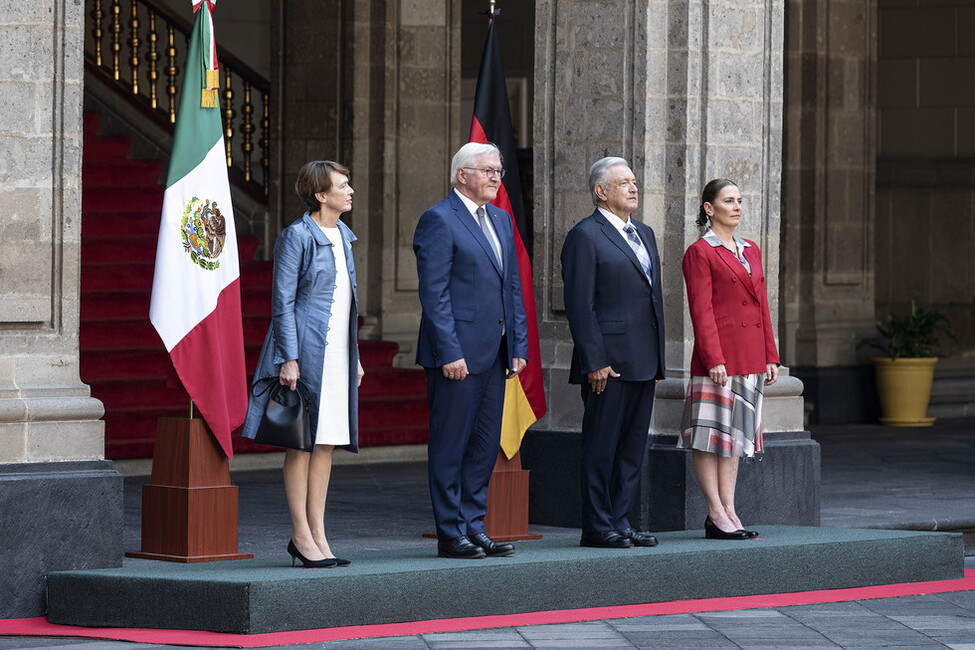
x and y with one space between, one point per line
122 358
40 627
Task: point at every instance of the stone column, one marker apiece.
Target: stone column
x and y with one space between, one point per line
421 133
685 91
61 501
828 201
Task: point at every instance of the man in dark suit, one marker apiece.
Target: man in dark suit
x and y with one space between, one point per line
614 304
473 330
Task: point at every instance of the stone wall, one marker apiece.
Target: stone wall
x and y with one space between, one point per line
61 502
828 201
925 227
925 108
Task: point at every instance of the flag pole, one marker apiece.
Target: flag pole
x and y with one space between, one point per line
191 408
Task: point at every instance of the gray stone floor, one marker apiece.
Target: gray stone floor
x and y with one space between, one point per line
872 477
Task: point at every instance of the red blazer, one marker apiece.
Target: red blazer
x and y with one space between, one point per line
729 310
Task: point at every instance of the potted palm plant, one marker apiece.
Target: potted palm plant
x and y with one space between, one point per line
905 374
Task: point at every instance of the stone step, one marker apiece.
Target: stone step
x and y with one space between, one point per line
953 391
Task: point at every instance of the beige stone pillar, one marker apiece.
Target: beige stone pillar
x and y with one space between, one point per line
61 502
686 91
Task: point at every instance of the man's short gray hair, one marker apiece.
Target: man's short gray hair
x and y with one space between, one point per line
466 155
599 173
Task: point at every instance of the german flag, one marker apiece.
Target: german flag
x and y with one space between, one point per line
524 399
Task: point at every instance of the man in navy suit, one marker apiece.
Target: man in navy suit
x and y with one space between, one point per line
472 332
614 304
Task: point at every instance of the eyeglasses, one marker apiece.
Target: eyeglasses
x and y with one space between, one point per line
488 171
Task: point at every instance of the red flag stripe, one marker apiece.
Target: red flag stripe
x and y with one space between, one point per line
210 364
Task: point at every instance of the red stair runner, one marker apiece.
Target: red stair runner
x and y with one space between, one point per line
122 357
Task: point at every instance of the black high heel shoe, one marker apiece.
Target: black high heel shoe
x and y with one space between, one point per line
340 562
749 534
305 562
711 531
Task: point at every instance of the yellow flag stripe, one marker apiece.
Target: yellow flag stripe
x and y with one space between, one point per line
518 416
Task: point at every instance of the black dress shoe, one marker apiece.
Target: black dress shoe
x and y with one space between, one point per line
604 539
489 546
638 539
750 534
711 531
459 548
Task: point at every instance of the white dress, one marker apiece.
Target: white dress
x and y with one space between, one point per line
333 406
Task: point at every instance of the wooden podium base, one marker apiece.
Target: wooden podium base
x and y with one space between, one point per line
189 507
507 502
507 509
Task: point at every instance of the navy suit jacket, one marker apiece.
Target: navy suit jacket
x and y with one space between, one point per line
615 316
464 295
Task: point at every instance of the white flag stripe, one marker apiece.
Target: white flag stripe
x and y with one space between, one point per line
175 308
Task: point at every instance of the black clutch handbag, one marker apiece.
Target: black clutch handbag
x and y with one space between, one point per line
287 420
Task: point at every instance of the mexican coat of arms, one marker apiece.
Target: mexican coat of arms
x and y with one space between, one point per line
203 231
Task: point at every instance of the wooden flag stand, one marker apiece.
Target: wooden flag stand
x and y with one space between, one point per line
507 502
189 507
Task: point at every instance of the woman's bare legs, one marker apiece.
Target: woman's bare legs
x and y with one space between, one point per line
727 480
717 477
296 487
319 473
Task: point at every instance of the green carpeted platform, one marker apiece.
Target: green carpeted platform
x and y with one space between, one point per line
257 596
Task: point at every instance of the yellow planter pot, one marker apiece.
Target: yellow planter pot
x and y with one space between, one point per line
904 386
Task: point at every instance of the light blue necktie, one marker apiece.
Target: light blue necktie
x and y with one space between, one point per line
486 229
641 252
482 220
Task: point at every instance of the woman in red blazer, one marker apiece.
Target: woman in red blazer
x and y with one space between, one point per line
734 355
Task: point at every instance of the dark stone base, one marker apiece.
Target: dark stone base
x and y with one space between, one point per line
554 492
782 488
55 516
267 595
839 394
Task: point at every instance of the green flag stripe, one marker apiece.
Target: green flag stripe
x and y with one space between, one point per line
197 129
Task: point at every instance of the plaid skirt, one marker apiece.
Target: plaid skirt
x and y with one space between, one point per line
724 420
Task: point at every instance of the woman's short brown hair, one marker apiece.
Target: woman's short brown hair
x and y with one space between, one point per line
315 177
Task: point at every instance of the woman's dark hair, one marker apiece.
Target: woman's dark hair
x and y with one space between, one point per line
315 177
709 194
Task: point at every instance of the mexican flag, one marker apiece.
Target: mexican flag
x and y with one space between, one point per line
195 304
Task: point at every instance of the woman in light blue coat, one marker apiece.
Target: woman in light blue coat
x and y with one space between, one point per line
312 336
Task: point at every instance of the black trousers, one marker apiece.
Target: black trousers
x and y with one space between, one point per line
615 427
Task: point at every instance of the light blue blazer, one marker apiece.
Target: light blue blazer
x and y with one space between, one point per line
304 279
